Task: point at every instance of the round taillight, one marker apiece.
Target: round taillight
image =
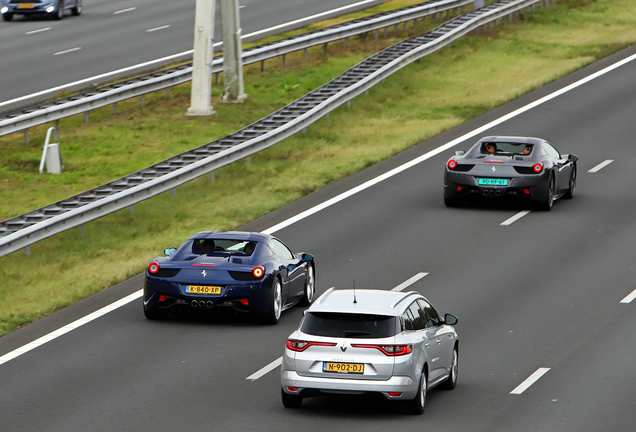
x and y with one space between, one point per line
258 272
452 164
538 167
153 267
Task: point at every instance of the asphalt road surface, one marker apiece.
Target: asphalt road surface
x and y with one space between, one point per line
550 290
37 53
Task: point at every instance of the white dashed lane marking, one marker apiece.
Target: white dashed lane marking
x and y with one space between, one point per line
515 217
67 51
530 380
629 298
157 28
409 282
38 31
124 10
601 166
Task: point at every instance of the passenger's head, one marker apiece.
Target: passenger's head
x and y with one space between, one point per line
206 246
527 150
490 148
249 248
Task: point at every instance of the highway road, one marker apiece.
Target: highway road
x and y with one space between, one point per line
548 293
38 53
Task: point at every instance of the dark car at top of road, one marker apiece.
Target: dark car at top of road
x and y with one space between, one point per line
52 8
498 167
244 271
387 344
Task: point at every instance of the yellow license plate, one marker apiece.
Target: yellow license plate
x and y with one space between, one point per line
26 5
203 289
356 368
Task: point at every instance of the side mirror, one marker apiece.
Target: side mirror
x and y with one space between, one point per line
450 319
305 257
170 251
460 153
572 158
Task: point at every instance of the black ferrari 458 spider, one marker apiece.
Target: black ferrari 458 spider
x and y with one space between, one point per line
499 167
247 272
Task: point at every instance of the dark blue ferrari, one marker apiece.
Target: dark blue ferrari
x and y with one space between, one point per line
247 272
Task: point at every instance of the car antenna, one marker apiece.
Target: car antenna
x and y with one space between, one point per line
354 292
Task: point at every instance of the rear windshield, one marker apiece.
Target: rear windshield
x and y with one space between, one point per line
349 325
223 247
506 149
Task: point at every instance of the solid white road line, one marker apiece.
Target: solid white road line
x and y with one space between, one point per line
629 298
601 166
38 31
67 51
273 365
529 381
72 326
445 147
409 282
124 10
157 28
515 217
267 369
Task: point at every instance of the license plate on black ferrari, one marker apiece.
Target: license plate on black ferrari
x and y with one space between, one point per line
355 368
492 182
203 289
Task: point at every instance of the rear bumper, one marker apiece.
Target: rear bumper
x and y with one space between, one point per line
310 386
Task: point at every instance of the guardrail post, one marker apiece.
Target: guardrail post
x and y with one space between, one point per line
174 192
284 60
376 35
479 4
86 117
143 100
262 65
305 53
115 108
131 209
57 125
81 230
27 250
212 176
168 92
26 136
348 104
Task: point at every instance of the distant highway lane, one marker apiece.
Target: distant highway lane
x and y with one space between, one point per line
38 53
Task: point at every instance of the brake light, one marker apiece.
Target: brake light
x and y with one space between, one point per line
452 164
163 298
153 267
245 302
390 350
299 345
538 167
258 272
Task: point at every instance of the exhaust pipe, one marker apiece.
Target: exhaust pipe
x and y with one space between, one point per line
497 193
209 303
194 303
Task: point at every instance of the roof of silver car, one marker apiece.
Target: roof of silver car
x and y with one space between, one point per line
378 302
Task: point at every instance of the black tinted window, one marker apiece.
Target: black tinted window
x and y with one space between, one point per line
432 318
349 325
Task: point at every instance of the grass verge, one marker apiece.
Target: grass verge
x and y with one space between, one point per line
421 101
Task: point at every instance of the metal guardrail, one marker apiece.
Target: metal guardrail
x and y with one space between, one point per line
81 103
27 229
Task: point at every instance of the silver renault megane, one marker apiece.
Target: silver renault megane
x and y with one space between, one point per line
370 342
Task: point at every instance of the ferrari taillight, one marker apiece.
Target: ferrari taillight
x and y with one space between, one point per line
390 350
538 167
258 272
153 267
299 345
452 164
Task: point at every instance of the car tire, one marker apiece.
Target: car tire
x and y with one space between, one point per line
546 205
77 10
310 287
156 314
452 202
276 303
570 193
7 17
59 11
290 400
451 382
416 405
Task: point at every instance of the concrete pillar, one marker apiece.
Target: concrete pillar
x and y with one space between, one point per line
201 92
232 52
